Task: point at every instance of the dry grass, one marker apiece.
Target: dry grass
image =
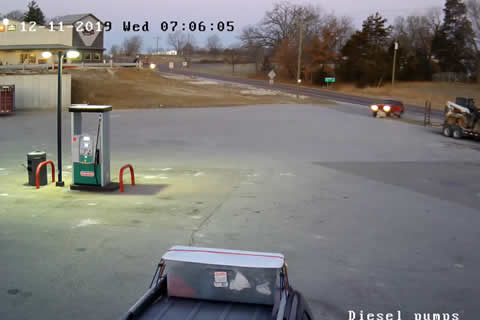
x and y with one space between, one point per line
417 92
134 88
242 70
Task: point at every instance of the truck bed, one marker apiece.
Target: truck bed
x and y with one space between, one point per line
173 308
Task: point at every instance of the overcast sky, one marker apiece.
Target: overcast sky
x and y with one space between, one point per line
242 12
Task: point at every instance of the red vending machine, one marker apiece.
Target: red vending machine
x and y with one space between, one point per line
7 100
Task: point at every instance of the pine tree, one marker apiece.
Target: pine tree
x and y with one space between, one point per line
34 13
366 58
453 45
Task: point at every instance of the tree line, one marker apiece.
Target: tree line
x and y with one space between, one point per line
437 41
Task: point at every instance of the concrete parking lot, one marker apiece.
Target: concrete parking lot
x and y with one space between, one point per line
371 214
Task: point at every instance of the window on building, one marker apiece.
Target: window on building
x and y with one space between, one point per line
28 58
23 57
87 56
97 56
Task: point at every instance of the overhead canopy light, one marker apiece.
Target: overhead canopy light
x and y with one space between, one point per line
46 54
72 54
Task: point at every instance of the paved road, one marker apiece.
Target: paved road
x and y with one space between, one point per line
366 223
412 112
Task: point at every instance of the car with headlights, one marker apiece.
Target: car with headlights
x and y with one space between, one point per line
388 108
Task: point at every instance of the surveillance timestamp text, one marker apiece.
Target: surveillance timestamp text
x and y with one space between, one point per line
129 26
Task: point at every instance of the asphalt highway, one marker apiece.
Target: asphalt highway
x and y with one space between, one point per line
412 112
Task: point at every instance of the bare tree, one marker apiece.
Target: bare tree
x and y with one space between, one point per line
232 55
415 33
338 29
282 23
286 57
255 53
214 44
132 45
435 18
189 47
177 40
15 15
473 7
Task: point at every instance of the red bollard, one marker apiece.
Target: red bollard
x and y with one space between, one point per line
40 165
132 175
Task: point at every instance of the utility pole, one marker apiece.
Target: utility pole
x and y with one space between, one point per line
158 38
299 62
394 62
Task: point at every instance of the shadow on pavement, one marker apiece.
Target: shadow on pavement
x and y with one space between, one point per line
142 189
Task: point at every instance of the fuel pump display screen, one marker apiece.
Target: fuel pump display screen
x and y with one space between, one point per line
87 149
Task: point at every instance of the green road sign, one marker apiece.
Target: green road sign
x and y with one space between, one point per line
329 80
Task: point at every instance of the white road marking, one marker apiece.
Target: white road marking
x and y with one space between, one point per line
3 194
91 204
198 174
166 169
150 177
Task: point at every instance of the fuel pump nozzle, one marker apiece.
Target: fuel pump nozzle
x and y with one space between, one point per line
97 151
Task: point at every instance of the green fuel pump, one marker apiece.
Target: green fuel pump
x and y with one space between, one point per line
90 152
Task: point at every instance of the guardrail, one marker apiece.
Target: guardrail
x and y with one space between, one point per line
26 67
47 67
40 165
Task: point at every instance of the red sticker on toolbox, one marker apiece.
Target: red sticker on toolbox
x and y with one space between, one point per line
87 173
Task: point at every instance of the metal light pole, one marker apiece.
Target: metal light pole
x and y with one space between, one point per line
394 62
72 54
60 182
299 62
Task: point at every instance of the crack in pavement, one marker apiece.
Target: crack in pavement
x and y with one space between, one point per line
208 218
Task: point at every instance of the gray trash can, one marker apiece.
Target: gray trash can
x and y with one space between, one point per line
33 160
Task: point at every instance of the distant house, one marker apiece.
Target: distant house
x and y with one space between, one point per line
166 53
23 42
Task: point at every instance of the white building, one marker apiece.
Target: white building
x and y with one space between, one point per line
23 42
